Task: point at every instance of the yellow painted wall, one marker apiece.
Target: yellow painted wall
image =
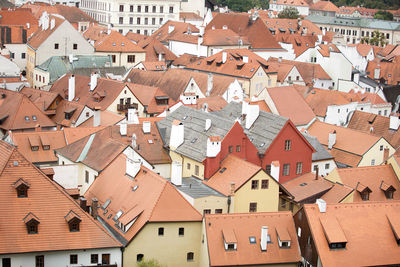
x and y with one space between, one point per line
349 198
287 205
170 249
184 161
121 59
30 63
114 105
375 153
204 259
395 165
260 77
333 176
212 203
267 199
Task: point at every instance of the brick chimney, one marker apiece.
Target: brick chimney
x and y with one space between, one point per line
95 204
385 153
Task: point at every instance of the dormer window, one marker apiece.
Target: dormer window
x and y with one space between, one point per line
230 240
32 223
364 191
387 189
22 188
34 142
283 237
333 233
73 221
26 118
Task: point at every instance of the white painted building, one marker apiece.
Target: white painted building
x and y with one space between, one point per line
359 61
300 5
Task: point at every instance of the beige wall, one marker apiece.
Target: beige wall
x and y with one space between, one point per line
395 165
30 64
184 161
170 249
212 203
38 83
334 176
260 80
126 93
266 199
121 59
375 153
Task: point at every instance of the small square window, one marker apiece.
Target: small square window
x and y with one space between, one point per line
161 231
56 46
75 46
181 231
264 184
253 207
252 240
218 211
139 257
190 256
206 211
73 259
254 184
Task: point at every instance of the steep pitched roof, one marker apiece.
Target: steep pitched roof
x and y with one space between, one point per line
292 25
320 99
245 225
41 35
112 42
176 30
42 99
324 6
154 48
337 193
223 37
50 204
185 59
153 199
389 71
19 17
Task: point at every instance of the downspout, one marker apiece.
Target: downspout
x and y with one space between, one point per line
122 256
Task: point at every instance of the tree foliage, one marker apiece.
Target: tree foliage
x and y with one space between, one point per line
289 13
377 38
150 263
243 5
384 15
378 4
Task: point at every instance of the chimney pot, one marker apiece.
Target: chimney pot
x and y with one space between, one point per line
123 129
177 134
264 238
71 88
332 139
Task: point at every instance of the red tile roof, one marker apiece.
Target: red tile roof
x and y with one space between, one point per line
223 37
176 30
324 6
292 24
19 17
337 193
154 48
389 71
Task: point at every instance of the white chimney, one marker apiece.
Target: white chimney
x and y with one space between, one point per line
96 117
28 25
264 238
210 83
253 111
321 205
213 146
176 173
52 24
177 134
356 77
93 81
245 59
331 139
377 73
208 124
323 31
275 168
160 57
171 28
134 141
146 127
108 29
71 88
123 129
224 27
132 167
132 116
394 123
224 57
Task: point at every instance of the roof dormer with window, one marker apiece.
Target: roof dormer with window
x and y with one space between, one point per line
333 232
230 241
22 187
387 189
32 223
283 237
364 191
73 221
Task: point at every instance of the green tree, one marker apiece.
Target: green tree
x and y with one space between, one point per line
243 5
383 15
150 263
377 38
289 13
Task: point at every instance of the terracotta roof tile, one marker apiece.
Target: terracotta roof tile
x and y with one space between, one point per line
337 193
223 37
324 6
179 29
154 48
185 60
19 17
38 37
292 24
320 99
189 16
107 118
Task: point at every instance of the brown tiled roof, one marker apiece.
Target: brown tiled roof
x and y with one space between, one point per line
107 118
292 24
291 104
361 224
153 48
324 6
256 32
326 50
67 106
42 99
49 203
362 49
337 193
180 29
40 35
185 60
189 15
389 71
320 99
74 134
153 200
307 186
300 43
371 177
292 2
223 37
247 225
154 65
214 103
21 112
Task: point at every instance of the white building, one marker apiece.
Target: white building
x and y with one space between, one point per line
301 6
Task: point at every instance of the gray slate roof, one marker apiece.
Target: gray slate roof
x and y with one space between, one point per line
196 189
264 130
321 153
369 81
356 22
195 136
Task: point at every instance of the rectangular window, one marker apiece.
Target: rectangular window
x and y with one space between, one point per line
131 8
73 259
139 9
6 262
39 261
238 148
218 211
161 231
254 184
86 177
146 21
171 9
161 20
299 167
286 168
121 8
326 166
23 55
113 58
154 9
55 46
131 58
94 258
75 46
146 9
161 9
121 20
372 162
181 231
230 149
288 145
138 21
196 170
381 148
130 20
105 258
264 184
268 168
206 211
253 207
188 166
153 21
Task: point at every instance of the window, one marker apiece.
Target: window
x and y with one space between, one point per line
238 148
6 262
154 9
286 168
264 184
121 8
327 166
161 231
315 168
337 245
23 55
372 162
139 9
130 20
181 231
161 20
206 211
161 9
299 167
365 196
254 184
105 258
288 145
253 207
196 170
131 58
252 240
145 32
75 46
146 9
171 9
230 149
113 58
153 21
268 168
138 21
190 256
217 211
34 118
139 257
381 148
86 177
73 259
74 225
94 258
231 247
389 194
146 21
32 227
56 46
121 20
188 166
39 261
131 8
283 203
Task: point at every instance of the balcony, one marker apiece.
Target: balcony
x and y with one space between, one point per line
125 107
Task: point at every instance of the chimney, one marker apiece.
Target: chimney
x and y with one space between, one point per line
321 205
95 203
208 124
224 57
109 29
96 117
233 188
199 42
171 28
123 129
275 168
146 127
252 113
210 83
71 88
323 31
279 59
394 123
264 238
134 141
132 116
93 81
213 146
176 173
377 73
28 25
224 27
316 173
83 203
132 167
52 24
332 139
385 153
177 134
160 57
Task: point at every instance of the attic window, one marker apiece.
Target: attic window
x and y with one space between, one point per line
364 191
122 44
105 205
387 189
22 188
333 233
252 240
230 240
222 170
27 118
73 221
303 184
252 70
150 141
32 223
194 140
113 44
34 118
283 237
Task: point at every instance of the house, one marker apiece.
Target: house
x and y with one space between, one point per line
184 60
370 183
217 40
107 42
76 238
323 8
136 205
49 40
336 234
297 27
369 150
297 44
252 71
359 54
385 72
302 6
287 73
250 239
